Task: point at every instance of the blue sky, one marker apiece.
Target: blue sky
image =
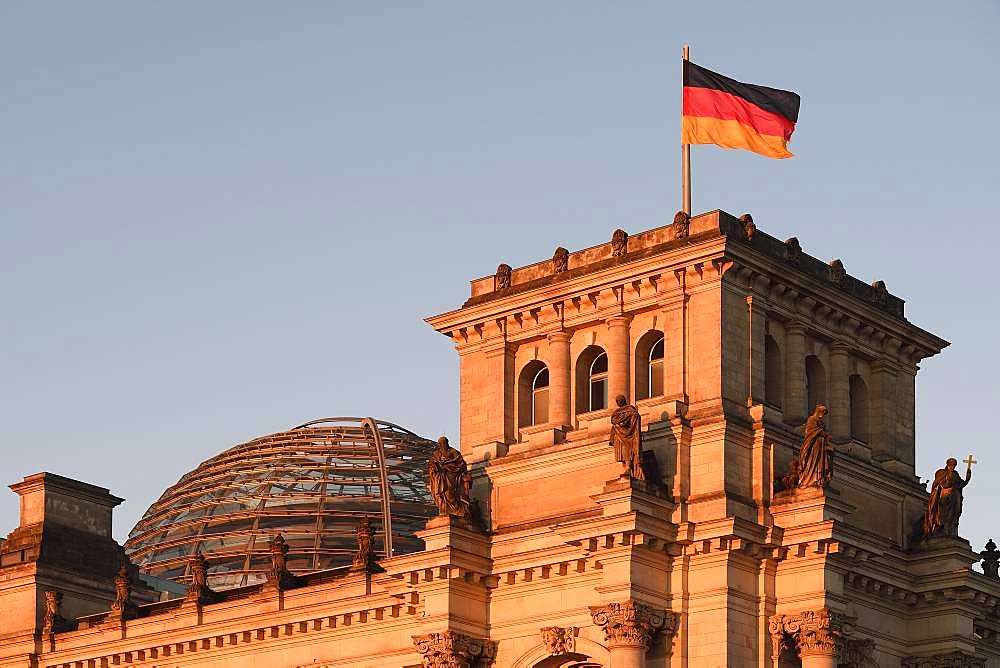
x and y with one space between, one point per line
220 220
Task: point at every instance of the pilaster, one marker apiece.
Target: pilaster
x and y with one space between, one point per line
795 410
883 410
839 418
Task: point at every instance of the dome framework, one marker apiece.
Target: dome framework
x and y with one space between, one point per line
312 484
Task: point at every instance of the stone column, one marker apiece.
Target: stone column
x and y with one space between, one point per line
883 410
629 628
839 419
560 405
618 358
795 374
674 333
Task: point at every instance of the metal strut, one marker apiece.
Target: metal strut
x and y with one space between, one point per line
369 423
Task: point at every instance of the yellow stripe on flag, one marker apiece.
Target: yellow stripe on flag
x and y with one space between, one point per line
731 134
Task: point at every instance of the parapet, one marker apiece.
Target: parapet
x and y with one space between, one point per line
623 247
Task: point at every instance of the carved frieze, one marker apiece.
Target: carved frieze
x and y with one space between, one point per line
453 650
948 660
501 279
632 624
560 260
682 225
559 639
619 243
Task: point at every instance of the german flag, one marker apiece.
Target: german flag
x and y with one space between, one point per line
723 111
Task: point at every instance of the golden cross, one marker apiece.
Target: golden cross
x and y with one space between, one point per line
970 461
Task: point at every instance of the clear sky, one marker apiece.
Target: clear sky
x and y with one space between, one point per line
219 220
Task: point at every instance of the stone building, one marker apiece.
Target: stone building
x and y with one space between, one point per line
725 339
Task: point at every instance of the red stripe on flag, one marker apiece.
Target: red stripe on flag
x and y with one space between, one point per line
729 107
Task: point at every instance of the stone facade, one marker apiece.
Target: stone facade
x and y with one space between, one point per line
724 338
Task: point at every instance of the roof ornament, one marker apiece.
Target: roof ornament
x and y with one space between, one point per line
880 295
838 275
681 226
793 251
748 226
501 279
560 260
619 243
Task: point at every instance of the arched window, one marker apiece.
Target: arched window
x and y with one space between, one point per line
815 383
591 380
599 382
649 365
859 408
533 394
774 375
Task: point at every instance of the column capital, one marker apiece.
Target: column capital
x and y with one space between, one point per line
632 624
452 650
618 321
811 632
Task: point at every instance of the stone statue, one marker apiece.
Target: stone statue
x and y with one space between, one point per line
619 243
749 229
52 619
682 225
838 274
279 557
991 560
123 586
560 260
199 573
364 533
880 295
793 251
626 437
450 481
502 278
945 503
814 455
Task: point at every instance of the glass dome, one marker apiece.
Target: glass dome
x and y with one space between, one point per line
312 484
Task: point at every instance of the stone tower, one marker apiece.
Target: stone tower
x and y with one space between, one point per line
725 338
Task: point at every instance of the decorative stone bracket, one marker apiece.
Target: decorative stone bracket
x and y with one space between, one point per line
633 624
453 650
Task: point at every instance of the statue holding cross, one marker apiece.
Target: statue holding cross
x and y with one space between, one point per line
944 506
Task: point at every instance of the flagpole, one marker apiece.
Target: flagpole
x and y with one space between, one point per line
685 148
